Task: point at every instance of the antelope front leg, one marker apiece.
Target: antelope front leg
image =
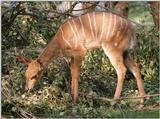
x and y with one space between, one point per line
75 70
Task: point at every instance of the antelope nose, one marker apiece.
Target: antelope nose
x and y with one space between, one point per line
27 90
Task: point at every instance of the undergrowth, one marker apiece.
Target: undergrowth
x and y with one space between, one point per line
51 97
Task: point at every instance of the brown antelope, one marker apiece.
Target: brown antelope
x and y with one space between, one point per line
76 36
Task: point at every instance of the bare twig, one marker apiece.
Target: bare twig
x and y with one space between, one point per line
20 49
92 5
46 18
95 97
122 98
138 97
67 12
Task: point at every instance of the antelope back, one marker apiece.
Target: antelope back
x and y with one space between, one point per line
93 29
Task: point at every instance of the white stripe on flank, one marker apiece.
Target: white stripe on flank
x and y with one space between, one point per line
90 26
114 24
102 25
84 35
109 26
94 20
121 22
65 38
78 36
73 32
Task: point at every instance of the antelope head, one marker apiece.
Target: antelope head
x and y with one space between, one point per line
33 72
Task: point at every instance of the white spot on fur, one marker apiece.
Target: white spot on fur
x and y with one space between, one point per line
116 44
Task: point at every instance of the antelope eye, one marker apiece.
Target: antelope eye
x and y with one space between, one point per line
127 8
34 77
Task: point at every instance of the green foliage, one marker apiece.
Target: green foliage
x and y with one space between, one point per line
51 97
149 59
30 31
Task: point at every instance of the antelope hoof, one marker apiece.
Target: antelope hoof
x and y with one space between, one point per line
114 102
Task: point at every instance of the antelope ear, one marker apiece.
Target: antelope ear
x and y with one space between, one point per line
23 60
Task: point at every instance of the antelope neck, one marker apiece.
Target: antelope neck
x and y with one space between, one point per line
50 52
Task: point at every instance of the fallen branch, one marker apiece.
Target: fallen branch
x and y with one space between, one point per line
95 97
122 98
138 97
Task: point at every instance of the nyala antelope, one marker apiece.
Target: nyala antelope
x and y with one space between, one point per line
114 34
